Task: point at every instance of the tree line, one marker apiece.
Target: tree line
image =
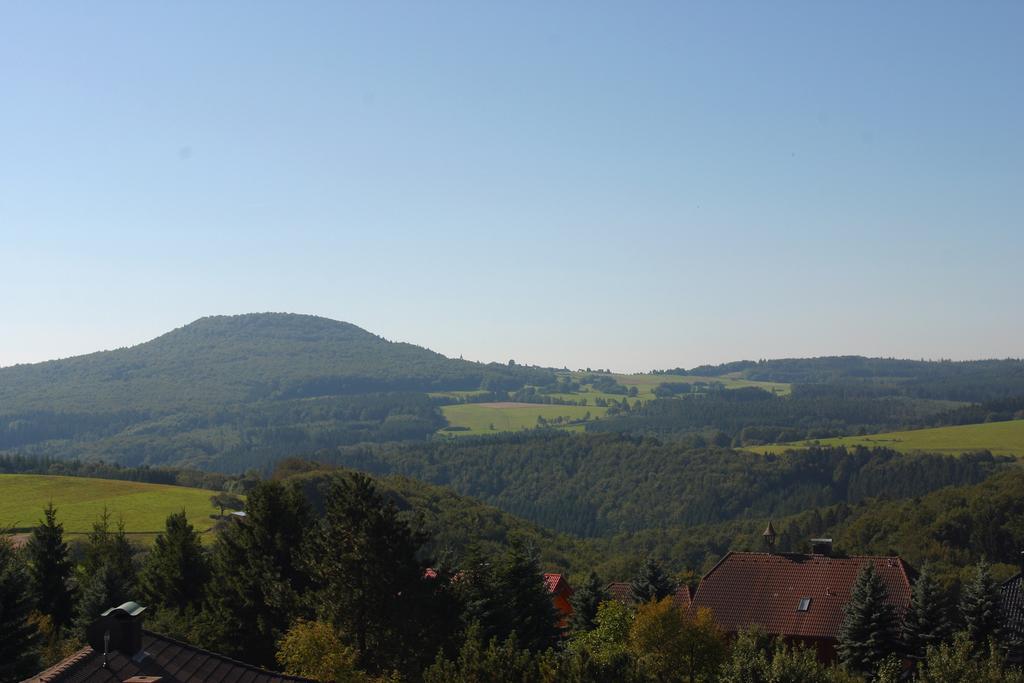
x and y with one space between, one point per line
350 595
602 484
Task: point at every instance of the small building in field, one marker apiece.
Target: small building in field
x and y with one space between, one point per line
560 591
622 591
800 597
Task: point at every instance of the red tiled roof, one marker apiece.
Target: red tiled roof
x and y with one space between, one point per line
556 583
171 660
765 589
621 591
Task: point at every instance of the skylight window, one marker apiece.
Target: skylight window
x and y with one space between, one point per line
805 604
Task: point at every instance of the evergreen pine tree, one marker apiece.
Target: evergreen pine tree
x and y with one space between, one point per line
980 607
652 583
372 586
257 575
534 617
105 546
17 635
99 592
176 570
483 606
50 569
926 622
110 572
868 632
585 602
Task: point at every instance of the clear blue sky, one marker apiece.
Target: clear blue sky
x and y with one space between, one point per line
630 185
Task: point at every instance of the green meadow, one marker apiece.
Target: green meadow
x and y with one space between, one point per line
479 418
80 500
1001 438
646 384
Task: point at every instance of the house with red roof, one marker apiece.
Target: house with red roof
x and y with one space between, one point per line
560 591
800 597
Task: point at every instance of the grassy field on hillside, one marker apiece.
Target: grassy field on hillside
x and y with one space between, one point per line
80 500
1002 438
478 418
646 384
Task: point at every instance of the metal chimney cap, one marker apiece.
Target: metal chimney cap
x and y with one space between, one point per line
131 609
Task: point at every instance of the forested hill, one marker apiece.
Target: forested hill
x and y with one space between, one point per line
973 381
223 360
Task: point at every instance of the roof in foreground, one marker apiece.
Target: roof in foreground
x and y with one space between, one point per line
167 659
792 594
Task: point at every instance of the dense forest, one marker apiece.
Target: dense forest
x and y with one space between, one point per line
224 360
752 416
972 381
228 439
593 485
230 393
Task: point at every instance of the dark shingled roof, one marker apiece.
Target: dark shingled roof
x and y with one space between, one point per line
170 660
621 591
1013 612
766 589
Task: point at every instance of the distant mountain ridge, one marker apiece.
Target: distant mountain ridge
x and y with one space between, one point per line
973 380
222 360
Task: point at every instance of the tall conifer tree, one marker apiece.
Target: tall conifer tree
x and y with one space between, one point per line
257 574
50 569
110 572
372 586
652 583
585 602
177 569
926 622
980 607
534 617
868 632
17 636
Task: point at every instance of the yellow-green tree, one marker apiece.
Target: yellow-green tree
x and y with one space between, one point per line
670 645
312 649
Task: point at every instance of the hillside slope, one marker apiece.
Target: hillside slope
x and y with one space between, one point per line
1000 438
979 380
231 359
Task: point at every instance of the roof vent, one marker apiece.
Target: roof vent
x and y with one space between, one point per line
821 546
118 629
